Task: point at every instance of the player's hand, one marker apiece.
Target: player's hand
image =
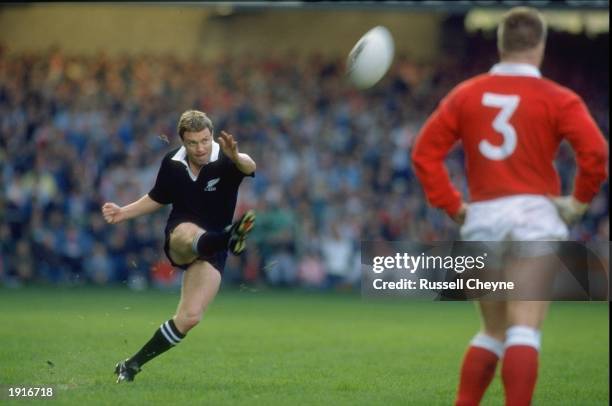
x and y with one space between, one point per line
570 209
459 217
112 213
228 145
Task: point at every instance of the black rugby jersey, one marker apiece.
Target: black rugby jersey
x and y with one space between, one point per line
208 200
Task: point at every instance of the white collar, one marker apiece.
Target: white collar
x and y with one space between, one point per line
515 69
181 156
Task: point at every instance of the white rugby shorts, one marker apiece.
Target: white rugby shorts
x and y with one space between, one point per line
513 219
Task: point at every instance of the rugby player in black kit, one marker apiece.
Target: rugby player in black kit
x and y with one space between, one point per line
200 179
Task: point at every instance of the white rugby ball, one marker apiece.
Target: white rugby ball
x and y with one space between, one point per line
370 58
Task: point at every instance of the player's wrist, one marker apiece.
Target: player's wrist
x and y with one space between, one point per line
578 205
570 209
122 214
459 216
455 209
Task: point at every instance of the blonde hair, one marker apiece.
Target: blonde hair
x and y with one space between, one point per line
193 121
521 29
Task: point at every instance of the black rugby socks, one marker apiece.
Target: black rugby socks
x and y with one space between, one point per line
166 337
210 242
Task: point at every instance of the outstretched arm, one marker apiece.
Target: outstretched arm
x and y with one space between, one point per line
244 163
115 214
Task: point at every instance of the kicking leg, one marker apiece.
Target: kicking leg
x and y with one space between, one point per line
481 357
189 242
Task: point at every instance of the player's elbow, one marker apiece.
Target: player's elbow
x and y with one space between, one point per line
602 159
420 162
151 204
593 165
246 164
604 151
598 160
249 169
604 155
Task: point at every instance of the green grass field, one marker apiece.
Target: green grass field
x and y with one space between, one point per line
269 347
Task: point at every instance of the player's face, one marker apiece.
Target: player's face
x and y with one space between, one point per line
198 146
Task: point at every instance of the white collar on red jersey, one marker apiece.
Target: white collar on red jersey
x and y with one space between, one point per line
181 156
515 69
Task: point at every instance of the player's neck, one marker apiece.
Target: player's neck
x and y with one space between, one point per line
522 61
195 168
533 58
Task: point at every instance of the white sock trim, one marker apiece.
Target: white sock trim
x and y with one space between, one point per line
488 343
168 334
196 239
171 333
523 335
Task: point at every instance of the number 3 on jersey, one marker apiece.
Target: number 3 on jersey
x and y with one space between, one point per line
501 124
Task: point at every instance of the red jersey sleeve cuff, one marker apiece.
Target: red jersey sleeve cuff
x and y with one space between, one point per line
454 208
583 196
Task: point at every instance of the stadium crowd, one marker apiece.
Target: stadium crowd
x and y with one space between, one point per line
333 162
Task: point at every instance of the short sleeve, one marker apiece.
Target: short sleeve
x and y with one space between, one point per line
162 190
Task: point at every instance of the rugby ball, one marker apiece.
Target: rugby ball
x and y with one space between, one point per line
370 58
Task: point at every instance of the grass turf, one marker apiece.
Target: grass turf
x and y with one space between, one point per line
270 347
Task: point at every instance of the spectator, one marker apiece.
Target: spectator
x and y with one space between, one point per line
98 266
77 130
311 272
337 257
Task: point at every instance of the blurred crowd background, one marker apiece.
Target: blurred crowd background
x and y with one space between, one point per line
333 162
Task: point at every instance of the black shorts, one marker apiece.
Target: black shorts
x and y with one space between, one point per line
217 259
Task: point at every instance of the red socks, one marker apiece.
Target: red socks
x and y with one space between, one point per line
520 366
478 369
519 369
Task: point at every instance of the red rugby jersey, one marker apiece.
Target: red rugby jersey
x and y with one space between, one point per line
510 122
